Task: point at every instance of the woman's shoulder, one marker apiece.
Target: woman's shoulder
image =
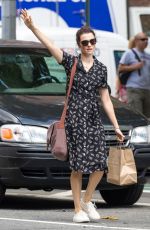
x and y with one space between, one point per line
68 58
100 64
68 55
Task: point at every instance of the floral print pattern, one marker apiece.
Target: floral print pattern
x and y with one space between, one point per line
84 129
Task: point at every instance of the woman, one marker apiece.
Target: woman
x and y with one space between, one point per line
84 130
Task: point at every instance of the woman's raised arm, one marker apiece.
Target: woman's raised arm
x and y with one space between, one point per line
54 50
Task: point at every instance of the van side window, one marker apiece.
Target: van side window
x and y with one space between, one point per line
117 56
31 74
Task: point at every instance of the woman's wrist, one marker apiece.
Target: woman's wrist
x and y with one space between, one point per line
117 128
33 28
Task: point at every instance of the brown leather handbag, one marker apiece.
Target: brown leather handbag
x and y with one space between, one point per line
56 135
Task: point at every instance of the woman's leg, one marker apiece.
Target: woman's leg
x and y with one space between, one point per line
86 203
76 186
94 179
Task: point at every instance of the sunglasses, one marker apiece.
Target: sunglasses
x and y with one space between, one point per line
143 39
86 42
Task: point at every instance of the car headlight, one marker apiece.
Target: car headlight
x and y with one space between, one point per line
140 135
20 133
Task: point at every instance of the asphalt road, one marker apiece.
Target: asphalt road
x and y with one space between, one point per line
38 210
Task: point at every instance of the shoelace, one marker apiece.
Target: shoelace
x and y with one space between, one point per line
93 205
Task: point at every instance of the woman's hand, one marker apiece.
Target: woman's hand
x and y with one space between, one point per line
120 136
26 18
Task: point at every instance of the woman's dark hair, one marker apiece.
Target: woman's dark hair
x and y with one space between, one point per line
83 30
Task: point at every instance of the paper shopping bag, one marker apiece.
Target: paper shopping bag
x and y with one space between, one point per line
121 166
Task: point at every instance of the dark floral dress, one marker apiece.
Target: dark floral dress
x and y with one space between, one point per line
84 129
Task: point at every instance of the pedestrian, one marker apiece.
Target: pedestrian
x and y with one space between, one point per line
121 92
84 129
137 62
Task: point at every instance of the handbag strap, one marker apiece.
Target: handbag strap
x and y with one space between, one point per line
138 58
136 55
73 70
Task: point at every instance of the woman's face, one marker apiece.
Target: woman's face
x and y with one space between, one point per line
87 43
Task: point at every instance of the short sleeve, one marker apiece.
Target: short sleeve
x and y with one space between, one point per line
67 62
103 78
126 58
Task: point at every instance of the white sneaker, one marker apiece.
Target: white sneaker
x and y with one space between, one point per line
90 209
80 217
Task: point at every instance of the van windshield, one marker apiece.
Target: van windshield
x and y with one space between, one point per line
29 73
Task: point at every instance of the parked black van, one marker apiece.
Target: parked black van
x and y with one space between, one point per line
32 92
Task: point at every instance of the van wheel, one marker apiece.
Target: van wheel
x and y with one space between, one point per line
2 192
125 196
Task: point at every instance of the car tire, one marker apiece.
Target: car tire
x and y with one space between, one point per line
2 192
124 196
